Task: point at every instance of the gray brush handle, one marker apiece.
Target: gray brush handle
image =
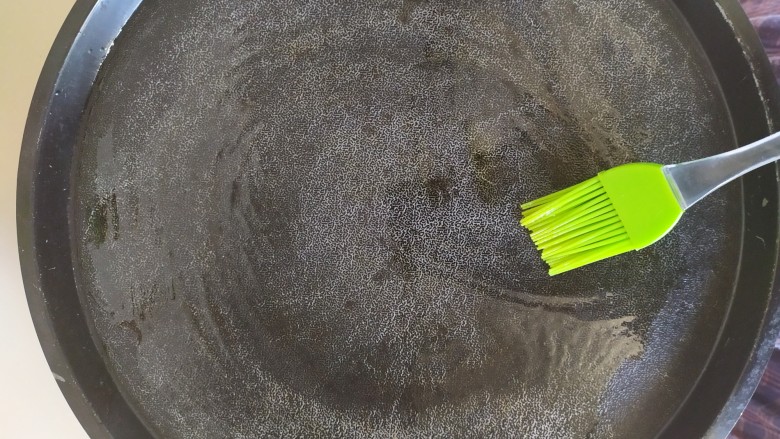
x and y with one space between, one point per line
694 180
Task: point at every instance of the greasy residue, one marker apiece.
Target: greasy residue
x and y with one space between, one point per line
321 234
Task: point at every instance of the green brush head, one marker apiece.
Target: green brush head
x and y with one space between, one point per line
625 208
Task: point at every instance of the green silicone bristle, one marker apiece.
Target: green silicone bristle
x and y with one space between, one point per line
625 208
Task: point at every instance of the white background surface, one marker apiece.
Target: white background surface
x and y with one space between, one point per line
31 405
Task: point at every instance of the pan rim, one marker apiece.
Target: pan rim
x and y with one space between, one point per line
50 285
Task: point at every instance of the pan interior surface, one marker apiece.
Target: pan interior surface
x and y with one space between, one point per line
300 218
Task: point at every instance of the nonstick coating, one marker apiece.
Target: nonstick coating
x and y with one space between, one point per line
300 219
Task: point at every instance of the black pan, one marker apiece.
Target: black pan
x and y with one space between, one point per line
299 219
